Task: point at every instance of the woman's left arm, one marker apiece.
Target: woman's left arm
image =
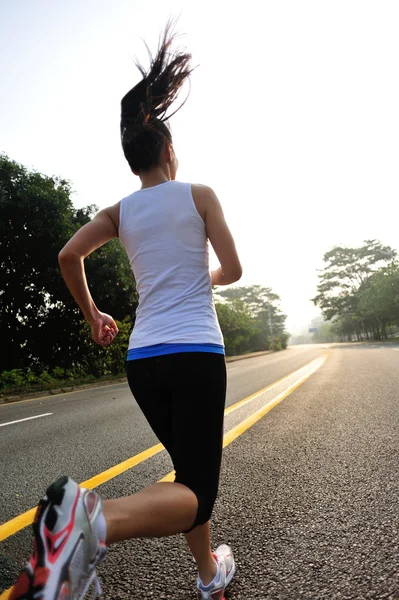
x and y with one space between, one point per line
91 236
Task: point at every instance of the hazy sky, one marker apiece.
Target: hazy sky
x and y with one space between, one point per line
293 116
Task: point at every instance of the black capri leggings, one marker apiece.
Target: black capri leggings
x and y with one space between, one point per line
183 398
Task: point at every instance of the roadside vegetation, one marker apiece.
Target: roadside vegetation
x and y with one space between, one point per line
358 293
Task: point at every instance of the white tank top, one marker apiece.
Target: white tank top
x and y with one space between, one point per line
165 239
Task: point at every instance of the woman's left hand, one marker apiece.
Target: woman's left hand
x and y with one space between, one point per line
103 329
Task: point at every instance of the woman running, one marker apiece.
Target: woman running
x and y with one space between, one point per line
175 364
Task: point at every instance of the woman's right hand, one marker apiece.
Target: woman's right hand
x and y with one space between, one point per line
103 329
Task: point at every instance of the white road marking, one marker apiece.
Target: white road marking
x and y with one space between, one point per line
233 369
27 419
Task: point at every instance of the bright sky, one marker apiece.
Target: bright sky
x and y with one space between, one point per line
292 118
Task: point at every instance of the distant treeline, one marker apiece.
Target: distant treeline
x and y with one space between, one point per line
358 292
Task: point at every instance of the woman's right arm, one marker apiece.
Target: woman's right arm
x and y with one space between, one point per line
219 234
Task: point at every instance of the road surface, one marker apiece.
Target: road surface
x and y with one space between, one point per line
310 485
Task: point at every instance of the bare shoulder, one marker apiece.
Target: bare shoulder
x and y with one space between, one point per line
204 198
201 191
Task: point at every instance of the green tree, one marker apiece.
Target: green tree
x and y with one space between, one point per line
378 300
325 333
255 297
41 319
345 326
263 306
236 324
347 271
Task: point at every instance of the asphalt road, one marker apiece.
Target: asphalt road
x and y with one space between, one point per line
309 493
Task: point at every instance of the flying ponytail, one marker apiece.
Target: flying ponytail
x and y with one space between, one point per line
144 109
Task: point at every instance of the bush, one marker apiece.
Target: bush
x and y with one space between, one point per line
45 377
22 383
15 377
58 373
284 340
98 363
30 378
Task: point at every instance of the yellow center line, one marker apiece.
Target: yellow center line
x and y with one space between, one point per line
239 429
229 437
25 519
241 403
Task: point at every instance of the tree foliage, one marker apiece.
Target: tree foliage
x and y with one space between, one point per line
251 316
237 325
41 319
359 290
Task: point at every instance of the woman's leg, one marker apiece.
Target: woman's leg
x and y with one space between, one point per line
198 410
183 398
163 508
199 542
159 510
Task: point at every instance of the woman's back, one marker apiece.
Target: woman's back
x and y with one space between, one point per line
166 241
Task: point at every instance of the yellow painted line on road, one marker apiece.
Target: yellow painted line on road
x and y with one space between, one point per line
239 429
241 403
25 519
229 437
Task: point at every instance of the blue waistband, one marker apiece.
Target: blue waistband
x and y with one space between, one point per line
161 349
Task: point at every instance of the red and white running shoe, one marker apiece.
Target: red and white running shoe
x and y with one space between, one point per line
69 532
226 568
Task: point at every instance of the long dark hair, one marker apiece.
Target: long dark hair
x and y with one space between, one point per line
144 109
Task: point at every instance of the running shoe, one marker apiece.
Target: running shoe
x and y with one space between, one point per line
69 542
226 568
